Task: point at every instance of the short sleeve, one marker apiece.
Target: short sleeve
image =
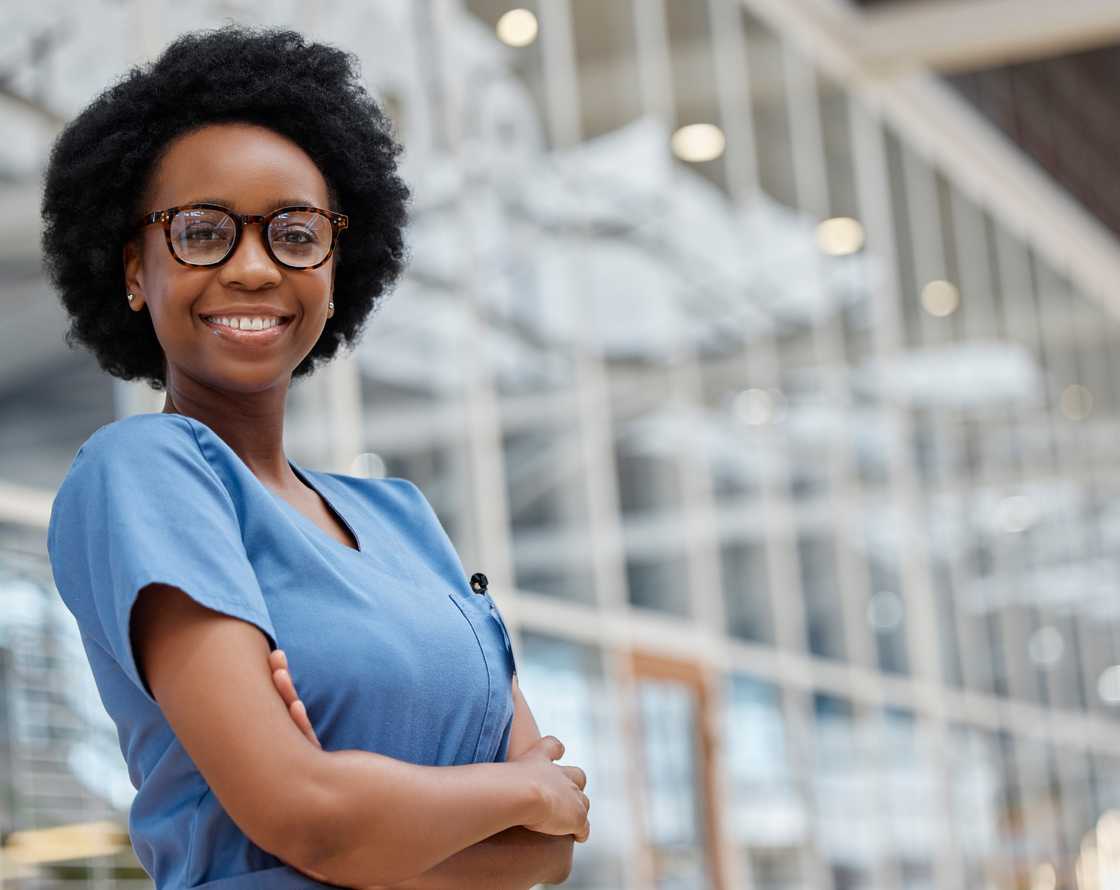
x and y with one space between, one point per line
141 504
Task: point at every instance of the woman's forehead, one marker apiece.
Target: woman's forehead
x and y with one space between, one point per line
252 168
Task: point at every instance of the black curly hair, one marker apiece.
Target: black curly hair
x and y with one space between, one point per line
100 167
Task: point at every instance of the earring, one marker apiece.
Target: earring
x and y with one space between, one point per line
330 305
130 296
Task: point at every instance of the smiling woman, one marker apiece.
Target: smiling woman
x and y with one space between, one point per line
195 215
314 136
197 263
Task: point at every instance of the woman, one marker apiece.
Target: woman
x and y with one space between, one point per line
218 224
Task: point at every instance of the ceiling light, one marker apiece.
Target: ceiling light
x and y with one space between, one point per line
940 298
756 407
1076 401
698 142
518 27
1108 685
840 235
1045 646
368 465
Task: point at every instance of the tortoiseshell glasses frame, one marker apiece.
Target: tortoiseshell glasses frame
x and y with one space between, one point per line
339 222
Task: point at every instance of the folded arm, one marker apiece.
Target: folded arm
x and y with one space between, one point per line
356 817
515 858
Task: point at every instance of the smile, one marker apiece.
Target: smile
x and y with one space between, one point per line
252 336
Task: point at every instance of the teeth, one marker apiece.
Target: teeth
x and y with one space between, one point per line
245 323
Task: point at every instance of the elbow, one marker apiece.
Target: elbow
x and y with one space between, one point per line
304 833
318 838
561 860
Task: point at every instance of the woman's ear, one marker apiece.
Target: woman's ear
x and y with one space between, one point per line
131 257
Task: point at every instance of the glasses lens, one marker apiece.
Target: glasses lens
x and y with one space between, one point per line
300 237
201 235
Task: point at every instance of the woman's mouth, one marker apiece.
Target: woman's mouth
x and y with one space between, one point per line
255 331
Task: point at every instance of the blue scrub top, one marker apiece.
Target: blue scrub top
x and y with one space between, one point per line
389 647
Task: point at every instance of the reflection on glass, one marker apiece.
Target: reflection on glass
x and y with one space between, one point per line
949 628
824 618
1040 799
659 583
976 789
846 806
886 607
745 588
910 789
767 818
60 758
440 471
548 514
674 814
771 118
564 685
647 476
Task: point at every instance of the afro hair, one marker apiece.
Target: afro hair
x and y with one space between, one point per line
100 166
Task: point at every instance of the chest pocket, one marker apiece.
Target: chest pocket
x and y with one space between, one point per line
493 637
480 585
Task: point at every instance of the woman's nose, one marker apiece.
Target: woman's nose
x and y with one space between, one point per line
250 264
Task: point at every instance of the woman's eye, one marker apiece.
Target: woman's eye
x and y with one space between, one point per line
297 236
202 234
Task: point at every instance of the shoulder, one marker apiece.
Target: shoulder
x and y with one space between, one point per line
397 498
139 436
404 489
391 488
144 456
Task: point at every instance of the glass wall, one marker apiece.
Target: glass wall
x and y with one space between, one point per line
789 467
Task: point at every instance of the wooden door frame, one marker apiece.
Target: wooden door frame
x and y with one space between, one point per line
646 665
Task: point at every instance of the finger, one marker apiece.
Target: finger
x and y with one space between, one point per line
282 679
278 659
296 707
586 802
578 776
283 682
546 748
299 714
298 710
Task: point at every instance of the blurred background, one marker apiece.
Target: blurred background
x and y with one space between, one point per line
761 352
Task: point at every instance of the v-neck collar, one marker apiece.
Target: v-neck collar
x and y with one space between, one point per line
304 477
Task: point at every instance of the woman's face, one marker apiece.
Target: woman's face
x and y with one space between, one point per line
249 169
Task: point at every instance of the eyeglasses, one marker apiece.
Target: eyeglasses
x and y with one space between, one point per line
298 237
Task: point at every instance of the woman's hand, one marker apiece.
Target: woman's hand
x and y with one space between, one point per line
561 787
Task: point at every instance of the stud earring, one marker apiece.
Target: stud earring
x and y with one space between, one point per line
130 296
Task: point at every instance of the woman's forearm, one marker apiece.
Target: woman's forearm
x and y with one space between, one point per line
381 821
514 859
